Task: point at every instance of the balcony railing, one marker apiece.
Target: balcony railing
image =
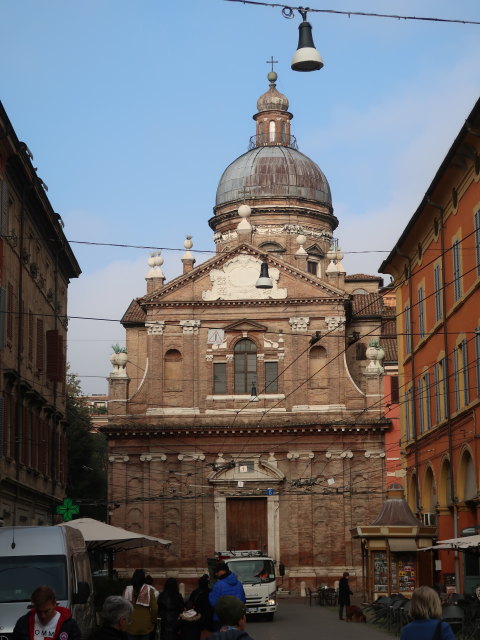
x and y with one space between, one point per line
278 140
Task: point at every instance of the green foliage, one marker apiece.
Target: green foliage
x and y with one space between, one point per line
118 349
87 451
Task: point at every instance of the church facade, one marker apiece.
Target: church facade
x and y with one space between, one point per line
245 417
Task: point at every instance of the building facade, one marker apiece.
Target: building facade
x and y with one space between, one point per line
436 267
36 266
246 417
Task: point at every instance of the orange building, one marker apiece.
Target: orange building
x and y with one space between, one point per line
436 269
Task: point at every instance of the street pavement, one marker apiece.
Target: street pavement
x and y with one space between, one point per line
295 620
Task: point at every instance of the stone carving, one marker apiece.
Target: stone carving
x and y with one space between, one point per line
236 281
338 454
209 357
334 322
260 356
374 454
155 327
153 457
299 324
229 357
300 455
118 458
190 327
191 456
270 344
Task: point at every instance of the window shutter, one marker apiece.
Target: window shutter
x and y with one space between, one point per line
394 394
40 346
55 365
3 317
3 208
219 377
360 349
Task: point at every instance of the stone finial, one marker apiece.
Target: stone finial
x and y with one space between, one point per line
375 354
244 228
332 256
339 258
119 359
187 259
155 277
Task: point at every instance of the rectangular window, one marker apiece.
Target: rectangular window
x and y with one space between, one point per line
421 312
394 391
10 304
476 223
477 358
40 355
444 386
463 353
456 380
271 377
437 393
219 377
407 329
420 401
437 285
312 267
30 336
408 414
427 402
457 274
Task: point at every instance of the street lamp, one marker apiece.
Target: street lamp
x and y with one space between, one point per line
306 57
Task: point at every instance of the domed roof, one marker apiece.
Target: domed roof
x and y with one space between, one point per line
273 172
272 100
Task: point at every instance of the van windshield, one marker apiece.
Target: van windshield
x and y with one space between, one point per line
21 575
253 571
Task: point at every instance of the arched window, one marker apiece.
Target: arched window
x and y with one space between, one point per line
467 485
245 360
445 485
429 494
271 129
317 371
172 371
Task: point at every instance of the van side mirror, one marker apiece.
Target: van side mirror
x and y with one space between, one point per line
281 569
82 594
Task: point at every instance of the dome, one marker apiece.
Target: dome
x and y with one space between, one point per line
273 172
272 100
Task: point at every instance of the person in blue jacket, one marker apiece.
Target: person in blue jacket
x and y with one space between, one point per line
227 584
426 611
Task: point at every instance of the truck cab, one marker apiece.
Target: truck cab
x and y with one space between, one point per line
256 572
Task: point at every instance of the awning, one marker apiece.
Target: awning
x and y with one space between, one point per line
467 542
402 544
99 535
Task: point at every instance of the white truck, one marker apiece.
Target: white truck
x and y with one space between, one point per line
256 571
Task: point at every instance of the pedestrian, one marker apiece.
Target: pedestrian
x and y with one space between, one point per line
189 623
227 584
344 594
426 611
233 619
170 606
116 614
144 613
46 619
201 603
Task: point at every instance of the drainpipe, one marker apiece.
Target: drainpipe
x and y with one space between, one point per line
412 369
447 395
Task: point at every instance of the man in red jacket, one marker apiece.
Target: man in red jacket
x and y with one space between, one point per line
46 620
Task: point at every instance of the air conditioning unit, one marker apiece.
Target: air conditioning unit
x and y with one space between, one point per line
429 519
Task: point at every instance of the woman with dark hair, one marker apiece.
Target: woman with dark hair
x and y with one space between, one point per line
170 606
144 614
426 611
201 604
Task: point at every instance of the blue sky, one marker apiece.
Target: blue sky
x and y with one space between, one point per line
133 109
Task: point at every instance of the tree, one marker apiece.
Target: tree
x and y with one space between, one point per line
87 450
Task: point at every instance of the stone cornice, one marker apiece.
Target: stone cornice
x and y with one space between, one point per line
325 216
129 429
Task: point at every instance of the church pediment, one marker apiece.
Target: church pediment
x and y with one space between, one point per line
245 469
245 325
233 275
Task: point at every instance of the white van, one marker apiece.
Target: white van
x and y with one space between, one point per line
53 556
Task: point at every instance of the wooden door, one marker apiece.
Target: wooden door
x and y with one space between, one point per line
247 523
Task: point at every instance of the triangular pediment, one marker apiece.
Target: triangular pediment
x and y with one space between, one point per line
232 276
245 325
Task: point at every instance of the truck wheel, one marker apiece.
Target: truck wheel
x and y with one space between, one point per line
269 617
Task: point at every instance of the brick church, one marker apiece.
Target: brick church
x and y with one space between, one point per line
246 417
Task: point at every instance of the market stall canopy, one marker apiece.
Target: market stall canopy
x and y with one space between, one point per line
99 535
461 544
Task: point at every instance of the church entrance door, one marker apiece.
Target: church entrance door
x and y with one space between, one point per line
247 523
